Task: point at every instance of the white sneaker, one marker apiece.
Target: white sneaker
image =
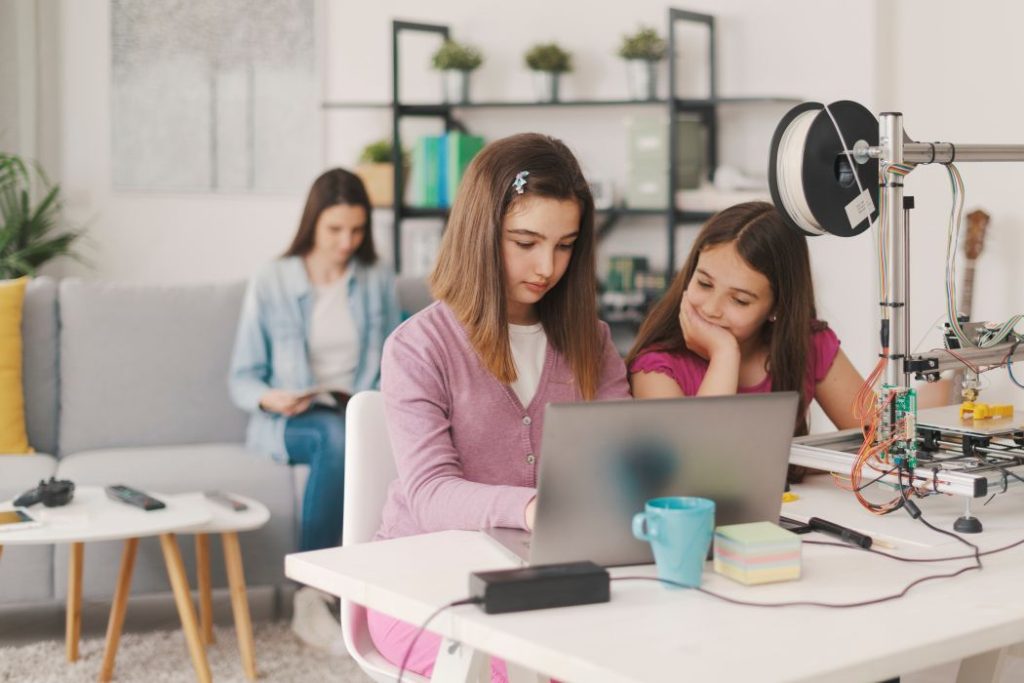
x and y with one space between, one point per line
313 622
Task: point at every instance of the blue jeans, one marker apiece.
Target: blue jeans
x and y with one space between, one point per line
317 438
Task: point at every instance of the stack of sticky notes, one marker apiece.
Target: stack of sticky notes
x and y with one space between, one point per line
759 552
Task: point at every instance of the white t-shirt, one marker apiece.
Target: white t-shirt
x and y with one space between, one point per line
529 347
333 341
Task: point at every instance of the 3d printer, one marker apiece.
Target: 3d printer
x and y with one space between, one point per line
823 185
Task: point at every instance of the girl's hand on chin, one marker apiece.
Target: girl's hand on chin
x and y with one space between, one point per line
705 339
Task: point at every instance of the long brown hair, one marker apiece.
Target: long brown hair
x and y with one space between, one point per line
333 187
469 275
762 239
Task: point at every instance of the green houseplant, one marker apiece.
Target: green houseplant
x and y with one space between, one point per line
547 61
29 225
377 171
456 61
642 51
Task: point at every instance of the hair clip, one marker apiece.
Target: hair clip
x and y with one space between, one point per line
520 181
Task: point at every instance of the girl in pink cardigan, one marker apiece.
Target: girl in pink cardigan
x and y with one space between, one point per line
515 327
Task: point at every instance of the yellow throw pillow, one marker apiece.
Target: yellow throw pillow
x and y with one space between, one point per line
12 398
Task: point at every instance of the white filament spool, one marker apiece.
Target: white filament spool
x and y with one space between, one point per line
814 182
789 169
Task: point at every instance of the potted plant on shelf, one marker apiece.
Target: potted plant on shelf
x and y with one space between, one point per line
376 169
29 233
547 61
456 61
642 52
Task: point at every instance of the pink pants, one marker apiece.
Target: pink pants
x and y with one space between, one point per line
393 637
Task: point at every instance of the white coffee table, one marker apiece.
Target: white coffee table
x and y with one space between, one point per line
228 523
220 520
91 516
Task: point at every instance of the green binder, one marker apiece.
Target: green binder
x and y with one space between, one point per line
461 150
426 162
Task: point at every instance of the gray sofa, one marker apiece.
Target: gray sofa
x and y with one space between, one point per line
127 383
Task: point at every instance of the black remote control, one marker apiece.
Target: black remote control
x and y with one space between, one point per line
127 494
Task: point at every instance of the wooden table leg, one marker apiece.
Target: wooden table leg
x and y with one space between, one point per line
118 607
205 591
1 551
239 602
73 617
186 611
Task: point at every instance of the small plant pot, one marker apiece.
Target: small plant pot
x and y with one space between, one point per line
379 180
642 75
455 84
545 85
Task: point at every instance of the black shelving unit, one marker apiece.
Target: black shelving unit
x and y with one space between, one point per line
705 108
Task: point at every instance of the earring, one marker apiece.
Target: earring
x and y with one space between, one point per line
772 318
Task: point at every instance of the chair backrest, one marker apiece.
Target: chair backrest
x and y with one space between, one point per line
369 469
369 466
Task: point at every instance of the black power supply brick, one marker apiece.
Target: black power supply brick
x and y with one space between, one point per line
540 587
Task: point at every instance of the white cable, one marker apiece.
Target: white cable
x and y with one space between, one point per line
788 172
846 149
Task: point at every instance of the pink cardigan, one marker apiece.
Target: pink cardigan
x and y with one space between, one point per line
466 449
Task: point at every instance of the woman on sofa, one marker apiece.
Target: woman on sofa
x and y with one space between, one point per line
311 333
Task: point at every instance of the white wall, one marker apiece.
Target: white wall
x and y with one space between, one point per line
956 78
946 67
763 49
148 237
791 49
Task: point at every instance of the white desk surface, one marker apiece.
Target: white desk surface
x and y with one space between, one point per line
652 633
92 516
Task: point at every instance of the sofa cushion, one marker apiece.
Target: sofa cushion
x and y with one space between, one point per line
413 294
26 572
146 365
24 472
12 397
182 469
39 372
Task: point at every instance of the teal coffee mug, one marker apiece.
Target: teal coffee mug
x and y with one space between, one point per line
679 530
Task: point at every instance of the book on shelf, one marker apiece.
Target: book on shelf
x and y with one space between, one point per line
461 149
426 171
439 162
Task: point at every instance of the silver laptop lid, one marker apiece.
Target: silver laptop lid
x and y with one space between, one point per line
602 460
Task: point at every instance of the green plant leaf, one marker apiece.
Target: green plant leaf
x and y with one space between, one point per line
30 231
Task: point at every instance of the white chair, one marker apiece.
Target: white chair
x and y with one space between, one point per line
369 469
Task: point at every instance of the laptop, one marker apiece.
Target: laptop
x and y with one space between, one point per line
602 460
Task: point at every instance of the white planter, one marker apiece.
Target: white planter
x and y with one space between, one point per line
455 84
642 75
545 85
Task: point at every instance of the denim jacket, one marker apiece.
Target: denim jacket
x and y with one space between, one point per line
272 344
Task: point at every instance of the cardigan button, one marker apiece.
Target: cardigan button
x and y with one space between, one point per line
530 459
527 420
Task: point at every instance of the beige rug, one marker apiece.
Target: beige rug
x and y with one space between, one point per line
162 657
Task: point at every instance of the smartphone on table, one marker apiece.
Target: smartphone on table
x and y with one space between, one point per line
227 500
18 518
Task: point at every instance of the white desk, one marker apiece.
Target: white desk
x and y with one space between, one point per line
651 633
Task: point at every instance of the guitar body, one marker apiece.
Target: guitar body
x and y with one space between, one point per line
948 391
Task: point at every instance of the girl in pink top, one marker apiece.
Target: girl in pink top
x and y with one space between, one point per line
515 327
740 318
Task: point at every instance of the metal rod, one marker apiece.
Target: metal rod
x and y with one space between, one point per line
890 136
993 356
830 460
905 349
950 152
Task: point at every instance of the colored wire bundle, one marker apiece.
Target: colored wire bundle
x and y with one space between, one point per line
999 333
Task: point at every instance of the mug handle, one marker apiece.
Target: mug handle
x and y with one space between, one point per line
644 527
